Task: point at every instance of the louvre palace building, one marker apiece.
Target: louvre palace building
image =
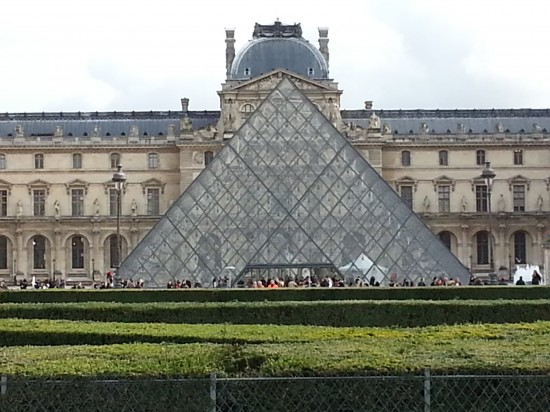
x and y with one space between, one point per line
280 177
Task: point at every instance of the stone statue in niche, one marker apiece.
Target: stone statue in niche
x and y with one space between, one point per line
227 120
19 131
540 203
56 209
186 125
96 207
58 132
464 204
501 204
334 115
374 121
426 204
19 209
134 207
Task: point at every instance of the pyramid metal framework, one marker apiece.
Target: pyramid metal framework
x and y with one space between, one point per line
289 191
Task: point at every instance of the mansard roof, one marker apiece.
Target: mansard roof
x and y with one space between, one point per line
468 121
151 123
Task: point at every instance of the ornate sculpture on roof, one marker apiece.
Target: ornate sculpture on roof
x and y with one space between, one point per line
374 121
460 128
500 128
95 131
209 132
424 128
58 132
171 130
228 116
386 129
186 125
537 128
277 29
19 131
134 131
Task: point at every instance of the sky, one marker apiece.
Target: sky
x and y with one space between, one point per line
88 55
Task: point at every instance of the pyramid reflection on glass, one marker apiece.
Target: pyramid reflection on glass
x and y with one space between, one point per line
289 191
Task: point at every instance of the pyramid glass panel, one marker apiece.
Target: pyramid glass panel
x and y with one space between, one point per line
288 192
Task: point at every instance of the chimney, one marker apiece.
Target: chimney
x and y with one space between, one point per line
229 50
185 105
323 42
368 104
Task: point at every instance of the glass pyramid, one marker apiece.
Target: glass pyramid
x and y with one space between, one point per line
288 191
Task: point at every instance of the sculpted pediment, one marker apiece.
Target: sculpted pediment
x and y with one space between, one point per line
270 80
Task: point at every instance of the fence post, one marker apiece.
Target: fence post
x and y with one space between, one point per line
213 393
427 391
3 385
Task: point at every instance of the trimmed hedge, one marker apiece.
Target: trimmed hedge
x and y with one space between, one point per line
283 294
41 332
320 313
461 349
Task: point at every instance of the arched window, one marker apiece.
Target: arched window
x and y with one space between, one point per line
153 160
247 109
443 158
405 158
520 248
3 252
482 242
208 156
480 157
445 238
115 160
39 252
2 161
77 252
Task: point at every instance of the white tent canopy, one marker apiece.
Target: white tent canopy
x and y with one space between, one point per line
365 267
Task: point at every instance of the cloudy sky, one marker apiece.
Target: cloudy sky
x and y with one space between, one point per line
87 55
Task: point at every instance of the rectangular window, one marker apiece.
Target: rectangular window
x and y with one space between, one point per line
77 202
112 202
443 158
481 198
39 202
39 161
518 157
480 157
153 160
77 161
519 198
444 198
153 202
407 195
3 202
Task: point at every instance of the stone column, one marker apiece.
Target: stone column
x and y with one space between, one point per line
502 255
464 251
538 252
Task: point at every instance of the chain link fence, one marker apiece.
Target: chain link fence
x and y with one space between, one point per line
427 393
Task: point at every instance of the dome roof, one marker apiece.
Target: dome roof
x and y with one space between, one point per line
264 54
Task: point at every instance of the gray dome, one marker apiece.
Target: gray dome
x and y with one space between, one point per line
263 55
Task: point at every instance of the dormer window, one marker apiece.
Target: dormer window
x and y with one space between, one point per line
247 71
310 71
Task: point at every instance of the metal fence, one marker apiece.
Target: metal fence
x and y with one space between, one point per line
425 393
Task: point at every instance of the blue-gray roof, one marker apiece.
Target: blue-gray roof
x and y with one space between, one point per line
263 55
453 121
152 123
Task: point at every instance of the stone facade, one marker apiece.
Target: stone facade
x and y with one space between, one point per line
57 199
